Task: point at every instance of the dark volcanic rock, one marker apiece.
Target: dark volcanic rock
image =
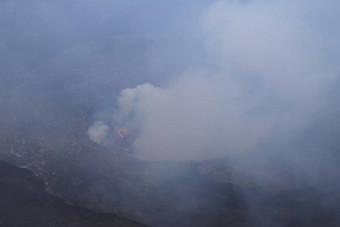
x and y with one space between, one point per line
24 202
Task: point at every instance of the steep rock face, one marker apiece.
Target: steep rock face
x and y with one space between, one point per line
24 202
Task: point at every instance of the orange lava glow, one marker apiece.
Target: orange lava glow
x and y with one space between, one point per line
122 133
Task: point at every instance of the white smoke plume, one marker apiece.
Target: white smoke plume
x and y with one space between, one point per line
268 80
266 77
98 132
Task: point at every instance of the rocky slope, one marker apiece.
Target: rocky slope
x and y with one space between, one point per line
24 202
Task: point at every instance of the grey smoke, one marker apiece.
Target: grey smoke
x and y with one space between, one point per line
269 77
98 131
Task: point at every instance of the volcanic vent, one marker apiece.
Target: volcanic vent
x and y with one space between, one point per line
109 132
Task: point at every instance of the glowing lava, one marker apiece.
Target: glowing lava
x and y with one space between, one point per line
122 132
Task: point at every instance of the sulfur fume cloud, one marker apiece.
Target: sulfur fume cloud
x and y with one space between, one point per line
267 79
